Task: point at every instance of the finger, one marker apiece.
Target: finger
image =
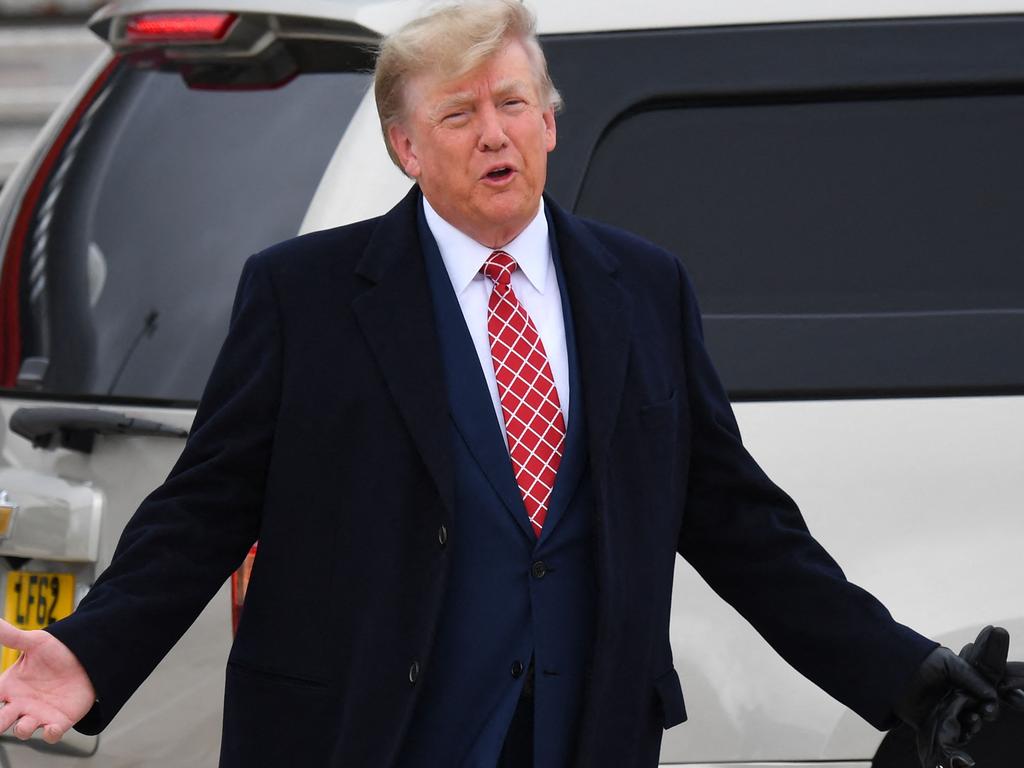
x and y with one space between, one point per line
8 714
25 727
12 637
989 711
986 710
989 653
52 733
963 676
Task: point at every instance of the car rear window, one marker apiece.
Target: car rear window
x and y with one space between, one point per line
136 247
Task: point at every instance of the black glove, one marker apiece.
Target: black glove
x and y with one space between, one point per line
948 699
1009 681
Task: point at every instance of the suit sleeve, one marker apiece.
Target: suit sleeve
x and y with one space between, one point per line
191 532
748 540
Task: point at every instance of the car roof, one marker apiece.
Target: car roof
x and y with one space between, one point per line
579 16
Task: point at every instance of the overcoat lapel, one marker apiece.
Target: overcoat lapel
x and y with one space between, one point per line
602 315
396 316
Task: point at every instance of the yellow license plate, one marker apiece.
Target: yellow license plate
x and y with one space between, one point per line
35 601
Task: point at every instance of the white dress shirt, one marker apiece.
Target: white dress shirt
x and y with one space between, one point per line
534 282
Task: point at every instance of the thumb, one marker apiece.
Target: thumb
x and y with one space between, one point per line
12 637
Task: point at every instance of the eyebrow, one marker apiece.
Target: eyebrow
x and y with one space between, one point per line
456 100
504 87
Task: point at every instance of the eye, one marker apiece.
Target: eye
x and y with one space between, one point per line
454 117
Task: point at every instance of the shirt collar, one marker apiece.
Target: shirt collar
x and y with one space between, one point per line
463 256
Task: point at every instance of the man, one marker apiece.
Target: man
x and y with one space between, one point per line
485 427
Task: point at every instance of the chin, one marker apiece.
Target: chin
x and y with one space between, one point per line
506 211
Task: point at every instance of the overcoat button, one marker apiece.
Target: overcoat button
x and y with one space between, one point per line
517 669
539 569
414 672
442 535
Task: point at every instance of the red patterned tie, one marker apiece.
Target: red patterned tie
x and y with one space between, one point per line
529 401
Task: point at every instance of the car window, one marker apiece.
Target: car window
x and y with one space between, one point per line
837 246
136 248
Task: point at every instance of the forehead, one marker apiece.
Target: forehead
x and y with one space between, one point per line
507 69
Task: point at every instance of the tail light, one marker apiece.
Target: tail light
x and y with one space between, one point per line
218 50
178 27
239 585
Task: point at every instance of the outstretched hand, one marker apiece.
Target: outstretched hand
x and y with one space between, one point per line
45 688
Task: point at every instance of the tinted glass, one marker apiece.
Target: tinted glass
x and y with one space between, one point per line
835 246
137 246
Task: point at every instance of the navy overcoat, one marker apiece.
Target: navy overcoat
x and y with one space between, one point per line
321 433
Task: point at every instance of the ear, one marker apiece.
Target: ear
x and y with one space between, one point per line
402 143
550 133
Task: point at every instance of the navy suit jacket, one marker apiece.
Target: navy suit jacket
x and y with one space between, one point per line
321 433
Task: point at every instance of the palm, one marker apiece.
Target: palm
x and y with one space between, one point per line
46 688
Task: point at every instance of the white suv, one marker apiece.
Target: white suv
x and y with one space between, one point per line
843 181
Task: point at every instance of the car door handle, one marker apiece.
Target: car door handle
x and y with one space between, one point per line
76 428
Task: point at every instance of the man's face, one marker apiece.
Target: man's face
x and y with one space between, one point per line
478 145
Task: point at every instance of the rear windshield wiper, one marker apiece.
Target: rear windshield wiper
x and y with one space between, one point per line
76 428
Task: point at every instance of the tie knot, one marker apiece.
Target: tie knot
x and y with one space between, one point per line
499 267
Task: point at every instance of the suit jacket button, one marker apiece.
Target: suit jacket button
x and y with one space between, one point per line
442 535
539 569
414 672
517 669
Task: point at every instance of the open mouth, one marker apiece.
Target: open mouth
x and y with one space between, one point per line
500 173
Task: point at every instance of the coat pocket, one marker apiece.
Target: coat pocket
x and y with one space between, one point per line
266 677
273 719
659 422
659 409
670 696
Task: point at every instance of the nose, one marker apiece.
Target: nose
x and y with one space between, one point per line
492 133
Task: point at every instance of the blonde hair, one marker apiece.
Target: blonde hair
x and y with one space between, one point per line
451 41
